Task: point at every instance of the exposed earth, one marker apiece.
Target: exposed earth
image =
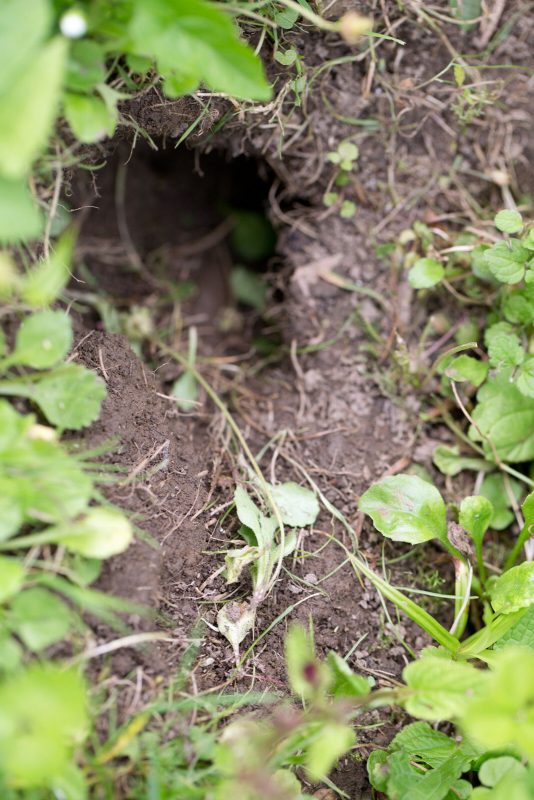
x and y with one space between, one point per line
320 380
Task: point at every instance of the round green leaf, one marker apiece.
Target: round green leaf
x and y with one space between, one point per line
39 618
69 397
466 368
43 339
103 532
90 119
406 508
514 589
298 506
509 221
506 261
476 513
426 272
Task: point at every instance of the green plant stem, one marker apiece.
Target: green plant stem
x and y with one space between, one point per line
311 16
485 638
521 540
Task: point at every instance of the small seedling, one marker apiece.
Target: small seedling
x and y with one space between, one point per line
297 508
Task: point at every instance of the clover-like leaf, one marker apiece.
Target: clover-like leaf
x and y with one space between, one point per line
43 340
514 589
298 506
406 508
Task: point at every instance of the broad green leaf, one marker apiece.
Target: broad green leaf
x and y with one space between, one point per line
39 618
475 516
330 743
405 781
449 461
298 506
307 675
101 533
248 288
426 272
495 490
185 390
345 682
525 377
28 109
11 577
378 770
521 633
42 718
494 769
466 368
504 346
286 18
506 260
249 514
505 416
86 66
197 39
406 508
89 117
20 35
518 306
20 218
43 339
43 284
440 687
509 221
421 741
514 589
501 713
69 397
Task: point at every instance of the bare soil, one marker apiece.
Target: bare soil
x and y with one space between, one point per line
330 402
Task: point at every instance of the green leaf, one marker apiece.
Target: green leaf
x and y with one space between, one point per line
506 260
248 288
440 687
185 390
20 35
378 770
345 682
199 40
286 57
20 218
505 416
101 533
501 713
86 66
449 461
69 397
89 117
28 109
494 488
298 506
521 633
286 18
42 717
426 272
11 578
39 618
249 514
504 346
253 239
43 339
476 513
518 305
10 653
508 221
494 769
421 741
406 508
514 589
525 377
43 284
406 782
330 743
466 368
307 676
